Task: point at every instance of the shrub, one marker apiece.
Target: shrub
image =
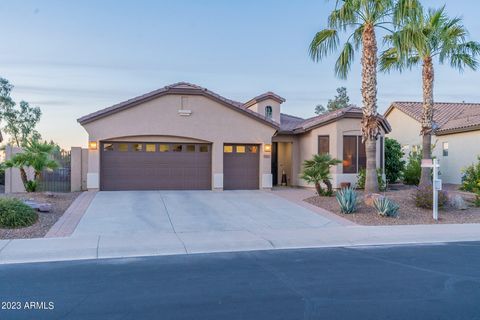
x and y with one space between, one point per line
423 197
361 180
413 170
394 165
347 199
476 202
471 178
16 214
386 207
31 186
317 170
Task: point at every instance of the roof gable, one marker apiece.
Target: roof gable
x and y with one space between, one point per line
262 97
180 88
295 125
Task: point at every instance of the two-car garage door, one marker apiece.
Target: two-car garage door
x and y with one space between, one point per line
155 166
175 166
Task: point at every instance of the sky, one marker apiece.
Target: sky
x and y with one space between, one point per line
72 58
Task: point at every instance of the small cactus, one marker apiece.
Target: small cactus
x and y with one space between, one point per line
386 207
347 199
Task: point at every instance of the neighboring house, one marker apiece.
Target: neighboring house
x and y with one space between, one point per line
187 137
456 138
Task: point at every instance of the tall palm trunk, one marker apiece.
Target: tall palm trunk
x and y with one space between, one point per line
427 117
23 176
370 127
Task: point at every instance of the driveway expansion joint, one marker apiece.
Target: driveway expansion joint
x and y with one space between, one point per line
98 245
6 244
171 224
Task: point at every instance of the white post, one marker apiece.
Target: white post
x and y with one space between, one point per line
435 189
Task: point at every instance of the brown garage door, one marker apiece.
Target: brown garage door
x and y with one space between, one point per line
155 166
240 166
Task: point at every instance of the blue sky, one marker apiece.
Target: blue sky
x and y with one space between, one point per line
74 57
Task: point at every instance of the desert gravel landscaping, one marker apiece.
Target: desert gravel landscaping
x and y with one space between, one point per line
59 201
409 214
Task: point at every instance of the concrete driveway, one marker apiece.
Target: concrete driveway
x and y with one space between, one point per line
127 213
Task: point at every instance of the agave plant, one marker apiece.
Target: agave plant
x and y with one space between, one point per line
386 207
347 199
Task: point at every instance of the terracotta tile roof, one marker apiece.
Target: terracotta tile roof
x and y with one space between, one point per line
179 88
301 125
448 117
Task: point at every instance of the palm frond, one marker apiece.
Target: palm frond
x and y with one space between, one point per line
324 42
345 60
390 60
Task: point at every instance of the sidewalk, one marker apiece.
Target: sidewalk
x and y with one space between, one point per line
135 245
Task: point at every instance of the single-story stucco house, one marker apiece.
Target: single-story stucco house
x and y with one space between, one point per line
456 140
184 136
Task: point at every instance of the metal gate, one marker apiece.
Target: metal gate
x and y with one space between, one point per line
57 180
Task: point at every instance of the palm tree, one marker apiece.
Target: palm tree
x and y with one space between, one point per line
364 17
317 170
35 155
424 38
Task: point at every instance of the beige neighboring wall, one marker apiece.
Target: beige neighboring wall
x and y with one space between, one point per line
405 129
463 150
159 120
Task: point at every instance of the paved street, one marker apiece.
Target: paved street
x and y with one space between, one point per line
404 282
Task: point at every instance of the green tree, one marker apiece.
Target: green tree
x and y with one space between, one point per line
320 109
394 163
426 38
413 169
317 170
363 17
341 100
36 155
19 121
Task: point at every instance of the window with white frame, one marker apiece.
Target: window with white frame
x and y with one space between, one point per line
445 149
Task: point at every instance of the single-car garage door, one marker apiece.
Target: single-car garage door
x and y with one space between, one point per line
240 167
155 166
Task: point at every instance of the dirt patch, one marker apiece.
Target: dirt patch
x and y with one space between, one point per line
60 202
408 213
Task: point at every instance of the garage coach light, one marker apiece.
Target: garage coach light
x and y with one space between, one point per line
92 145
267 148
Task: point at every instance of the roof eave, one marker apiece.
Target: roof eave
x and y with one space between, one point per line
457 130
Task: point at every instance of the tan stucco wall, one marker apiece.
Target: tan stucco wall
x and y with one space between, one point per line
405 130
78 171
308 144
463 150
13 181
158 120
79 167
